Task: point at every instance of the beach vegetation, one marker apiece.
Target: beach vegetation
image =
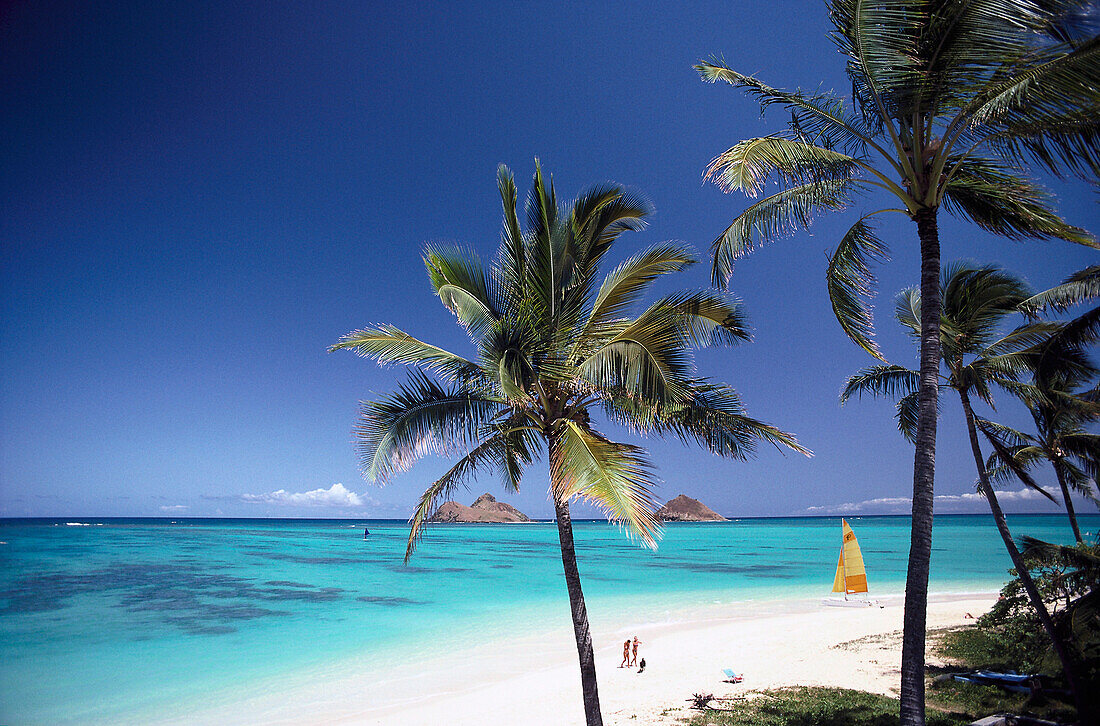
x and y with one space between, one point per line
949 102
978 355
817 706
558 348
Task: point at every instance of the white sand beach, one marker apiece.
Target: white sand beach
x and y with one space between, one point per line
536 682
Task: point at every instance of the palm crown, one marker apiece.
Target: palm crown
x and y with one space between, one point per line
951 97
553 342
976 353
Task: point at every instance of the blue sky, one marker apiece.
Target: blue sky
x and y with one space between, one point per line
197 199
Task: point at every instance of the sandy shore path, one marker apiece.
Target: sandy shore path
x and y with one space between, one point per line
854 648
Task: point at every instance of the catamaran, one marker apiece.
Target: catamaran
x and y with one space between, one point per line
851 576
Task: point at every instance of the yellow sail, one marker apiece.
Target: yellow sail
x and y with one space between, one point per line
851 576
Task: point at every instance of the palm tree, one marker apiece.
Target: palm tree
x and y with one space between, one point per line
974 303
553 345
1060 415
948 97
1059 397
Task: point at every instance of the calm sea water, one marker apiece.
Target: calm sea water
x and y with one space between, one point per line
101 620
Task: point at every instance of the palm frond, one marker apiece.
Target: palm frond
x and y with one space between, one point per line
891 381
908 411
1005 203
485 454
615 477
599 216
907 309
707 317
646 358
748 165
624 286
713 417
818 115
511 264
1019 339
1004 453
462 285
851 283
1046 102
389 344
1025 457
780 214
419 418
1078 287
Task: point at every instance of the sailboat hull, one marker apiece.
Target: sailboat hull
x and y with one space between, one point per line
839 602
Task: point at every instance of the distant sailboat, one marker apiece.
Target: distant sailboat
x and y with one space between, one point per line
851 575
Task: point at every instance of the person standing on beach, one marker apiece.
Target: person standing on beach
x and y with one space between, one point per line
626 654
634 659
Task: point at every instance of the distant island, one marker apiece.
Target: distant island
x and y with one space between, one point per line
485 509
685 509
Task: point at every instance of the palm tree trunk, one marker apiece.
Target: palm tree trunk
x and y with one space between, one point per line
1061 474
580 615
924 471
1060 648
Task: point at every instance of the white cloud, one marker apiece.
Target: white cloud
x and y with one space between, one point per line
335 496
944 502
174 508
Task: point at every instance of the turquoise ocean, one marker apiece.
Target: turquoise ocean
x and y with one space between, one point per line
103 620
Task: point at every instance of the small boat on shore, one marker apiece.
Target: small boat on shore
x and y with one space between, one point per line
851 575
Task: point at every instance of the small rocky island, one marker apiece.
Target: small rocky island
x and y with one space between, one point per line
685 509
485 509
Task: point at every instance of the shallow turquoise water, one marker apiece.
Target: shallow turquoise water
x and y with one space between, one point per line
101 622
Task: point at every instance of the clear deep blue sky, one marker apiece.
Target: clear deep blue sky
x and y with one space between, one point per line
197 198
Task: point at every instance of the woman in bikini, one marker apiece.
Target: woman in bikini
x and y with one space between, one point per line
626 654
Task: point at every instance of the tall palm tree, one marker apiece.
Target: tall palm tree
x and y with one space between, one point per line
553 343
948 98
1062 397
975 356
1060 438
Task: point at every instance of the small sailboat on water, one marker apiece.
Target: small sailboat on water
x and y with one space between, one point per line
851 575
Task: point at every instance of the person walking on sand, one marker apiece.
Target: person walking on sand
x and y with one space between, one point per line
626 654
634 659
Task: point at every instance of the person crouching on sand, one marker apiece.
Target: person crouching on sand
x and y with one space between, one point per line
634 659
626 654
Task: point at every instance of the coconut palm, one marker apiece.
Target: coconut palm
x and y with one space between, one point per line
553 344
1060 438
947 99
976 357
1062 399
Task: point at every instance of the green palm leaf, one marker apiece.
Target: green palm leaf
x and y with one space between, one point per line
389 344
891 381
1078 287
462 285
780 214
614 476
487 454
420 417
624 286
748 165
851 283
1004 203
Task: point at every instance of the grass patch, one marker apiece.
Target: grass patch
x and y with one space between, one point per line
971 648
974 648
805 706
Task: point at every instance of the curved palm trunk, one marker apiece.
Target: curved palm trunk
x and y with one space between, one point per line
924 472
1061 474
580 615
1060 648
